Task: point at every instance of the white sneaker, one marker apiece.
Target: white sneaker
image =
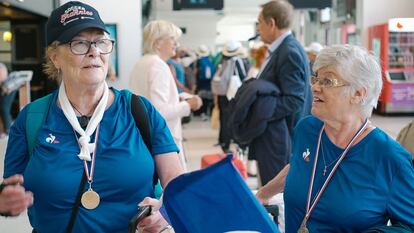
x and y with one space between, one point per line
204 117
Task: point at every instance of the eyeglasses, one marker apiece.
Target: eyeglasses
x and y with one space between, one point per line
327 82
82 47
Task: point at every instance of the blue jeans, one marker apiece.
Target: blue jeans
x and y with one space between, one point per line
6 102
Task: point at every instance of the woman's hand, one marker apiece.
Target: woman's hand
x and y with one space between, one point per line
195 102
154 223
273 187
14 199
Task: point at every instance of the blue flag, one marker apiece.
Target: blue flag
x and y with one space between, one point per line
214 200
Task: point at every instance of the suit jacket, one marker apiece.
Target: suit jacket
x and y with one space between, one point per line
250 113
288 68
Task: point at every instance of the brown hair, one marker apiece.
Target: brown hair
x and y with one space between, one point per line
260 55
48 67
279 10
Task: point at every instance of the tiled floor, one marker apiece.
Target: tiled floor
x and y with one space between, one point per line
200 140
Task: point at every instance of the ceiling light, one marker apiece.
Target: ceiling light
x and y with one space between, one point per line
7 36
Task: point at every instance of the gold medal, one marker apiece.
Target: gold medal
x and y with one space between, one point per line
90 199
303 229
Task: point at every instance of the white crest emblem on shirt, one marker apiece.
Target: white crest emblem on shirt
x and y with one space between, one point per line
51 139
306 154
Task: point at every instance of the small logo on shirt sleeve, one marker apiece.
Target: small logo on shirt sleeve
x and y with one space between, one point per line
306 154
52 139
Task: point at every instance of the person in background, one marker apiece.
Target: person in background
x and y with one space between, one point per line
178 72
313 50
14 199
230 64
287 67
152 78
88 134
345 174
6 101
258 55
204 72
244 55
187 58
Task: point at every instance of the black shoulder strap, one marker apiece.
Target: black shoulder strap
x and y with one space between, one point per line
76 206
141 120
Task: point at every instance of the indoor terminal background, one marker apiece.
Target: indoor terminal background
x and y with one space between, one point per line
346 21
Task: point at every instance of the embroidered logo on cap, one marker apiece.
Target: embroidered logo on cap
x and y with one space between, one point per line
52 139
74 11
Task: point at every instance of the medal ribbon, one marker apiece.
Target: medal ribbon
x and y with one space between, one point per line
90 175
319 194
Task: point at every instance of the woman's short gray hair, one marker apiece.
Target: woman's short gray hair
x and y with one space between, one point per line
358 67
157 30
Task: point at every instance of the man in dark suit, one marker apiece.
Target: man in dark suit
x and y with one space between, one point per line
287 67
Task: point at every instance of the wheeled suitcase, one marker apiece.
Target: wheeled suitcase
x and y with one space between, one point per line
211 159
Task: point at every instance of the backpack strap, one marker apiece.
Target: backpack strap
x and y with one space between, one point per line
139 112
36 116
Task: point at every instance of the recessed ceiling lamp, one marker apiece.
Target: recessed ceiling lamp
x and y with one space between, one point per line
7 36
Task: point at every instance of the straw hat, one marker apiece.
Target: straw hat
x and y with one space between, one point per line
314 48
231 48
203 50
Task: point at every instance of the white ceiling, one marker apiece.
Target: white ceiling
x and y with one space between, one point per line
236 20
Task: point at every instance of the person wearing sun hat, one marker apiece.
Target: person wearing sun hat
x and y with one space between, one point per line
230 60
313 50
89 166
203 51
231 48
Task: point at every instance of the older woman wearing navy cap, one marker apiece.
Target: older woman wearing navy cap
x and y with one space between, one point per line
87 164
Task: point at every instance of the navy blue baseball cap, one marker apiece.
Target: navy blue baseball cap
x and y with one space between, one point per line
68 20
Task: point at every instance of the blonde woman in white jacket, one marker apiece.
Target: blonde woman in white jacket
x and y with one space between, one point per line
152 78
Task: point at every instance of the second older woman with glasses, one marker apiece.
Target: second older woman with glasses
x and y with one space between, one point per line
88 134
345 174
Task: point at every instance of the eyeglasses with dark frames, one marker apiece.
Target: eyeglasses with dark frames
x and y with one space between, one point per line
327 82
82 47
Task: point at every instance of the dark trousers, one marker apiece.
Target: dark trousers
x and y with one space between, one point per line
224 134
207 106
271 150
207 98
6 102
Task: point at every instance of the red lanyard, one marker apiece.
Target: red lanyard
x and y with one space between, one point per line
85 165
309 208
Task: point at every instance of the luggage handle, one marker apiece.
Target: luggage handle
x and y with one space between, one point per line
272 209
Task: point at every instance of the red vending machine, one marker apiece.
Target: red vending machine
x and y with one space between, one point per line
393 43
